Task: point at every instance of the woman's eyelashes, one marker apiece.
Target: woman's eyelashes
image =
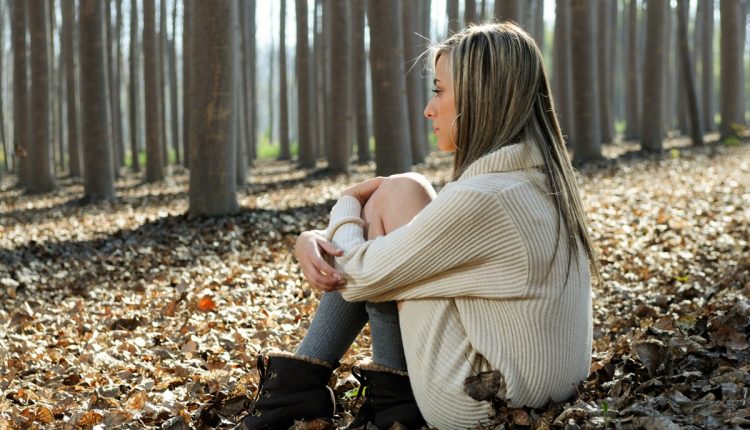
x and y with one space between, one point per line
436 91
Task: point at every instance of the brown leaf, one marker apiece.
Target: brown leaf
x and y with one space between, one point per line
206 304
486 386
137 400
652 353
44 415
90 418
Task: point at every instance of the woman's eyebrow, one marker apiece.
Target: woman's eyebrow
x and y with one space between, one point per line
435 81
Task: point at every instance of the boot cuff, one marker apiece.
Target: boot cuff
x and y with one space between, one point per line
304 358
372 367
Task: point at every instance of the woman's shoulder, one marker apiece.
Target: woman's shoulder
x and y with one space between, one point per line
498 183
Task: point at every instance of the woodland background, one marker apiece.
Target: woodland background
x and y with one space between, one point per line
159 159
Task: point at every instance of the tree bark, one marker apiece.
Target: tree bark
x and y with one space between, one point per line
71 91
239 103
174 109
253 83
98 172
707 64
391 129
732 75
213 166
587 144
410 22
632 86
285 153
42 179
2 96
360 80
304 102
696 129
187 92
117 162
319 50
21 123
161 60
539 24
562 80
117 116
604 56
341 118
134 88
452 12
509 10
653 76
154 147
470 12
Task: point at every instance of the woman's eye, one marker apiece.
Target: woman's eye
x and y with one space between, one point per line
435 90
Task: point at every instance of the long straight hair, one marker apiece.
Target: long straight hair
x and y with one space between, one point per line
503 97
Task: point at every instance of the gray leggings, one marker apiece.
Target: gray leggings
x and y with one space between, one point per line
337 323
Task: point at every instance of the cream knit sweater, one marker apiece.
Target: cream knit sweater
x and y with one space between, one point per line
472 268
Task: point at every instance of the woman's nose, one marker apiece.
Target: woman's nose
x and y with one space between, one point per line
427 111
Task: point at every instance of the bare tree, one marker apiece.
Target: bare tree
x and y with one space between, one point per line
391 129
98 182
252 105
587 144
2 93
732 74
213 183
657 13
42 179
696 129
341 120
707 64
561 69
304 102
154 147
632 86
509 10
470 12
172 63
187 34
21 123
410 21
67 51
285 153
359 78
604 74
134 88
452 12
161 61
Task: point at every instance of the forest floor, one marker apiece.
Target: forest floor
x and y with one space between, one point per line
129 314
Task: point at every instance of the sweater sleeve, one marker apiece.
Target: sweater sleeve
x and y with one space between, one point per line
459 230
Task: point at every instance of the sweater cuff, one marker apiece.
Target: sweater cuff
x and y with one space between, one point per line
345 219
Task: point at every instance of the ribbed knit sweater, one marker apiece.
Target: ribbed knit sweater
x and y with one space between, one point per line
482 277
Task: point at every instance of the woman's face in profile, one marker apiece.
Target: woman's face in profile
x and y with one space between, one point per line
441 109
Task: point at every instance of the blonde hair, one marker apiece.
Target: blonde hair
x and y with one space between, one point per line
503 97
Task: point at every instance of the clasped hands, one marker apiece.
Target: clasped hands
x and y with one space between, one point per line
313 250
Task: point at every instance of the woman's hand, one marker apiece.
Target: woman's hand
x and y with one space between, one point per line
364 190
317 271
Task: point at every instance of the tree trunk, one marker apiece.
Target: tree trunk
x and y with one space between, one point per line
653 76
285 153
134 88
587 144
732 79
252 83
669 72
392 148
319 50
413 80
562 69
360 80
42 179
3 141
21 123
470 12
239 104
425 7
213 181
187 92
509 10
98 182
117 125
161 60
539 24
154 147
117 162
304 102
632 87
452 12
696 129
174 110
341 119
604 56
707 65
71 91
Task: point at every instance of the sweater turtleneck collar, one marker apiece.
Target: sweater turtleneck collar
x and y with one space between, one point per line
518 156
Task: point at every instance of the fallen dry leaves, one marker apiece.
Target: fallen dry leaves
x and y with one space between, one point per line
129 314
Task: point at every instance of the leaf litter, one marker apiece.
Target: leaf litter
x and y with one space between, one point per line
130 314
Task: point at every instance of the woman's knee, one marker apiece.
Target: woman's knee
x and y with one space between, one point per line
398 199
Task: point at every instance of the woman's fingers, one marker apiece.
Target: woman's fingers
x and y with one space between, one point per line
330 248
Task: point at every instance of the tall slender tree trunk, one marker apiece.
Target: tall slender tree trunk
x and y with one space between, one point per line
391 129
707 65
341 119
425 7
562 69
306 143
454 24
587 144
539 24
3 140
213 181
108 37
669 72
632 86
410 20
71 91
271 61
154 147
653 76
98 182
187 14
686 66
253 83
161 44
509 10
319 50
21 123
470 12
285 153
174 109
117 116
134 88
604 56
732 75
239 103
359 78
42 179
